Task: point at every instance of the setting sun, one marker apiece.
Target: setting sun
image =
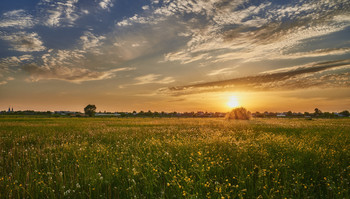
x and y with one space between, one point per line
233 102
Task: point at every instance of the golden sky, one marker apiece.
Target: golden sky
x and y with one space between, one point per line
175 55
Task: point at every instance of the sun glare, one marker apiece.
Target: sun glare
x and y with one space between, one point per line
233 102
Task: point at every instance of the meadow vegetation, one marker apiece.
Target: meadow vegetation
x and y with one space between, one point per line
174 158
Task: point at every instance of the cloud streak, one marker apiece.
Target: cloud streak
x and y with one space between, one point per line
74 75
220 71
292 78
153 79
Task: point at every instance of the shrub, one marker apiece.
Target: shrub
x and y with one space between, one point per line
239 114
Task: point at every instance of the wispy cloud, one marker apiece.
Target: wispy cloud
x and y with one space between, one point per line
220 71
3 82
298 77
75 75
17 19
153 79
276 39
185 58
136 19
24 42
316 53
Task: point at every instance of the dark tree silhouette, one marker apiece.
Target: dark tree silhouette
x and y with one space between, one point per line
345 113
317 112
90 110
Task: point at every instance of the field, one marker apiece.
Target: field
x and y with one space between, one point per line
174 158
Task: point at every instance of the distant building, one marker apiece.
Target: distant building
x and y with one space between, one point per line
339 115
10 110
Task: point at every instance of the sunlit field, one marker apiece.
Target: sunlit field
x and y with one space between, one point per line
174 158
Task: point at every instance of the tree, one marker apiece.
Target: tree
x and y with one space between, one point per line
258 114
238 114
317 112
327 114
345 113
90 110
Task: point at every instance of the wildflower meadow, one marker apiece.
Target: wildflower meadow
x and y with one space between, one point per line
174 158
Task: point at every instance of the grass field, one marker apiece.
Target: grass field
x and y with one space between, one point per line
174 158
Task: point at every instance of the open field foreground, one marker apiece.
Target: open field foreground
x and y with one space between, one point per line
174 158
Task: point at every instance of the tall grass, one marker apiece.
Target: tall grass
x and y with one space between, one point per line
174 158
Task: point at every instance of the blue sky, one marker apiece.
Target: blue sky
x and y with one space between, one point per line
174 54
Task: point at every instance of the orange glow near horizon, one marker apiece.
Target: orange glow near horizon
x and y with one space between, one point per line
233 102
296 101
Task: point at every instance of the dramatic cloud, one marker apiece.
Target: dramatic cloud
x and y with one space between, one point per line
239 30
250 45
17 19
153 79
75 75
24 42
239 44
319 74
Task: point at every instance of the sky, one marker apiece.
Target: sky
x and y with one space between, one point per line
175 55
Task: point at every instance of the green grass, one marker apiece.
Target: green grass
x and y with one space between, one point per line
174 158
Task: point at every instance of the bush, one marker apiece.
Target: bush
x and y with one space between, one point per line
239 114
